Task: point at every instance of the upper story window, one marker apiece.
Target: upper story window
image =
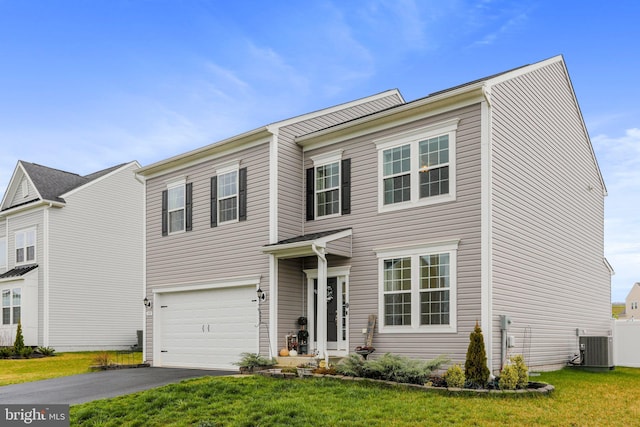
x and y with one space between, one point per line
418 288
26 246
229 194
176 207
11 305
329 186
417 167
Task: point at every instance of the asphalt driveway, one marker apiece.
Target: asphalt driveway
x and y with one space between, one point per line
98 385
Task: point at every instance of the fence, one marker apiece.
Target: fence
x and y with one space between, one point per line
626 343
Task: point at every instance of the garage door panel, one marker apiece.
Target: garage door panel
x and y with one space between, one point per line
208 328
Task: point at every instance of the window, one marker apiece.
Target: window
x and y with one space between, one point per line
25 246
11 304
229 194
3 253
418 288
176 207
634 305
417 167
328 186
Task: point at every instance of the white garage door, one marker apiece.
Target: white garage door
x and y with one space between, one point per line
207 328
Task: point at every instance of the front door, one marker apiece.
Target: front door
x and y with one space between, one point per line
337 311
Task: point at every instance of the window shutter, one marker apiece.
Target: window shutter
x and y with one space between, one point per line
165 200
214 201
188 204
242 194
310 194
346 186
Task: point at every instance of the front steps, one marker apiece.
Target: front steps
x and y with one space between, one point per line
285 361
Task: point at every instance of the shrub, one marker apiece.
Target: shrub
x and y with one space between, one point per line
475 366
351 366
6 352
454 376
46 351
18 344
508 377
401 369
26 352
522 369
253 360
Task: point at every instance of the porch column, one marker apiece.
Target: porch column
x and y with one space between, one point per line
322 304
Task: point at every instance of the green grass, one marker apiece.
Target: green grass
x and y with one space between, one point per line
13 371
581 398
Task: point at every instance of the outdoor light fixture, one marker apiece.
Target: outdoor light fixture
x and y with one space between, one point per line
262 296
146 302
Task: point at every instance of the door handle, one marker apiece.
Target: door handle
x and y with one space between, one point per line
202 328
208 328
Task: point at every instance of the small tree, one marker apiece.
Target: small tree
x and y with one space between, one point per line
475 366
18 344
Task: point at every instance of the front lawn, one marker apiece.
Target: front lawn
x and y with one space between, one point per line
581 398
13 371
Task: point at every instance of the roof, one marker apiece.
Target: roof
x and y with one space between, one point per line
51 184
308 237
18 271
312 244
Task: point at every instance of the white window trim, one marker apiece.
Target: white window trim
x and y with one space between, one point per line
11 290
181 182
35 246
223 169
415 252
324 160
413 138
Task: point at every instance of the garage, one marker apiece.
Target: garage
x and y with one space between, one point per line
206 328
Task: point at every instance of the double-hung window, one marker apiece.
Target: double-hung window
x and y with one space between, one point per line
26 246
329 186
11 305
176 207
417 290
229 194
417 167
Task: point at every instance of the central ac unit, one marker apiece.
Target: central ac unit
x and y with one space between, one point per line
597 352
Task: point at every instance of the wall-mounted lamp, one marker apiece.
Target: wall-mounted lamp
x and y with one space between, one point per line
146 302
262 296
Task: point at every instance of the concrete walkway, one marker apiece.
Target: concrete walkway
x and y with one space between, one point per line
98 385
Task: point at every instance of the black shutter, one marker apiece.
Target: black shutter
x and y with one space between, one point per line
310 194
214 201
188 207
165 199
346 186
242 194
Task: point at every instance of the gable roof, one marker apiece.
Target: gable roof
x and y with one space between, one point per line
50 184
18 271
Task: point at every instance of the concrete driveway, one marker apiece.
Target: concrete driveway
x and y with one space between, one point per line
98 385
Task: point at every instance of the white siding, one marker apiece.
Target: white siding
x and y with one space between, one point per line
95 270
548 270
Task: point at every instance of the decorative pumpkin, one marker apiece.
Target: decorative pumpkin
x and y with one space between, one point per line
284 352
293 353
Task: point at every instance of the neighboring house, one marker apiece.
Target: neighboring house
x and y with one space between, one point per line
631 309
71 257
480 201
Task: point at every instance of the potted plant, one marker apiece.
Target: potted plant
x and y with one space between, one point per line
251 362
305 369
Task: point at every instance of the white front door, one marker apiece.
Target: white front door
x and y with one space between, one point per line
337 309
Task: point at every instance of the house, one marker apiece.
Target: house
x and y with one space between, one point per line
480 203
71 257
631 310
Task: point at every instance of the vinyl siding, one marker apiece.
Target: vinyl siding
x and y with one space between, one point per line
291 297
96 265
19 197
205 254
291 175
547 220
459 219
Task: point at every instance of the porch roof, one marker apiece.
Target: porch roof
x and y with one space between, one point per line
18 271
334 242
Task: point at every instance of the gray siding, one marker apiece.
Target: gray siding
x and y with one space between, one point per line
454 220
291 178
548 270
291 297
206 253
19 197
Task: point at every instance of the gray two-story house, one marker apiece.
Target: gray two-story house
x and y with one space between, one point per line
468 205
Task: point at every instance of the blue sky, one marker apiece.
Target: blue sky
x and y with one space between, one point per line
85 85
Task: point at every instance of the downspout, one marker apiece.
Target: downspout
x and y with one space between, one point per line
322 304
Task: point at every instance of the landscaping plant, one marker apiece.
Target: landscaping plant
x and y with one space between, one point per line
508 377
475 366
522 369
250 361
18 344
454 376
